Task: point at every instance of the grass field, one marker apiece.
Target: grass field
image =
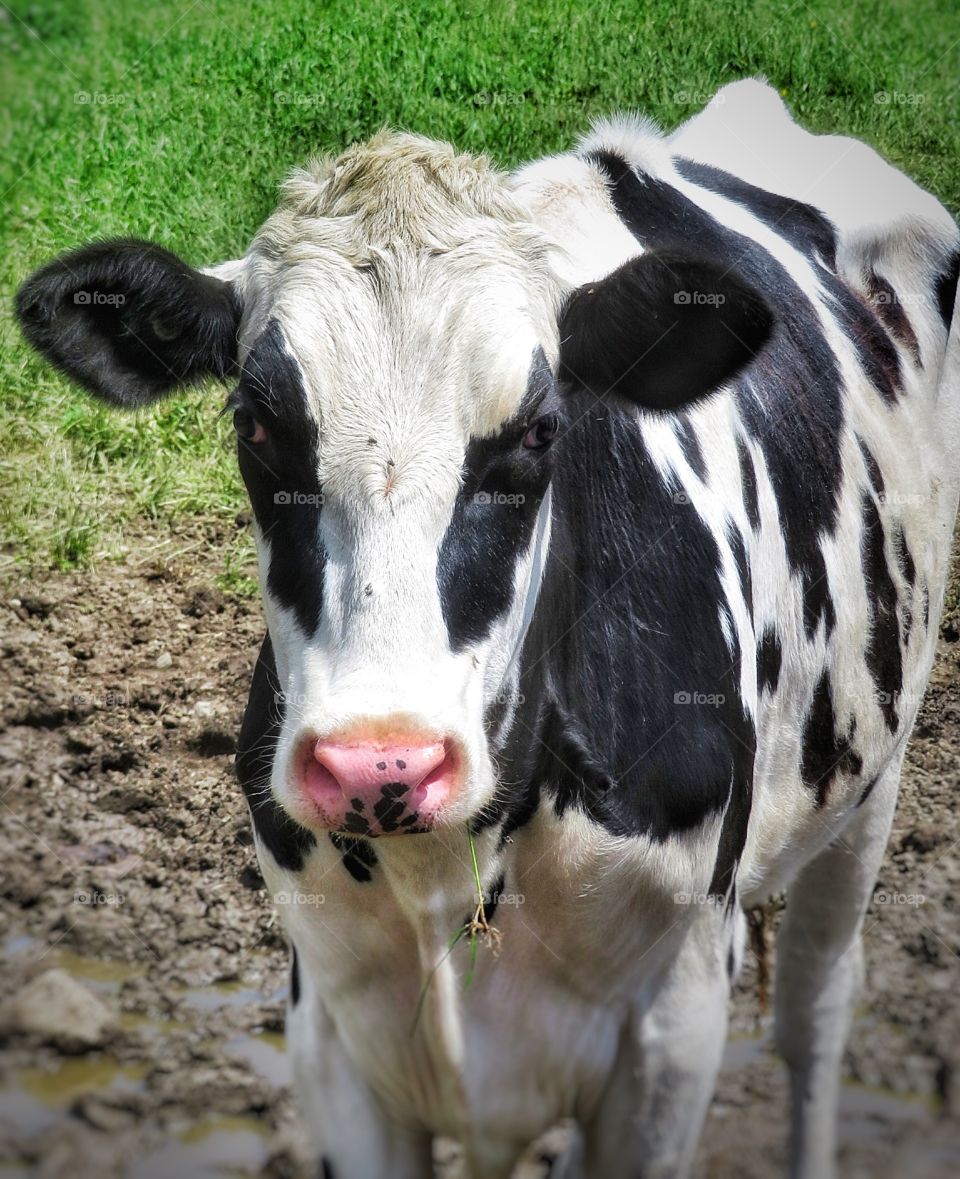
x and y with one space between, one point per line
177 121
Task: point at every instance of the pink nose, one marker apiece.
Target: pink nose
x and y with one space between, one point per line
374 788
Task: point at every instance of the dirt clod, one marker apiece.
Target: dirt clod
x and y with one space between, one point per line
55 1009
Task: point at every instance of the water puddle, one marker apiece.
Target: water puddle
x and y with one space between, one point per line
266 1054
99 974
862 1107
220 994
59 1087
743 1049
38 1099
209 1150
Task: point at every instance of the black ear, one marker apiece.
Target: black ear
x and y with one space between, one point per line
130 321
661 331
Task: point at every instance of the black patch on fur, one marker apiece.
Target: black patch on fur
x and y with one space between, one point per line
803 226
873 468
356 855
129 321
769 660
565 761
690 445
907 567
739 550
883 655
294 977
326 1169
284 839
868 790
626 631
281 475
748 481
876 351
490 904
736 819
826 753
494 516
793 389
909 572
817 603
887 305
946 290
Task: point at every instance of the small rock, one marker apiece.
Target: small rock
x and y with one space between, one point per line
80 740
58 1010
123 799
164 660
203 600
213 742
249 877
37 606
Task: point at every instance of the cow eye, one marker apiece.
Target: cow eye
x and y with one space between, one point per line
247 427
541 433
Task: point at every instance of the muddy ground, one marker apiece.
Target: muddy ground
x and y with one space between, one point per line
126 861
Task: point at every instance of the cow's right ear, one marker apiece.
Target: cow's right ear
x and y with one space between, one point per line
130 321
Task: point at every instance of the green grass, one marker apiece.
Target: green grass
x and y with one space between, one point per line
177 122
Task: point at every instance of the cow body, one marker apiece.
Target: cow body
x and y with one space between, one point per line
735 625
693 648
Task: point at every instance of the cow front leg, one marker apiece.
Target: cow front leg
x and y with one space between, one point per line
649 1119
819 972
350 1134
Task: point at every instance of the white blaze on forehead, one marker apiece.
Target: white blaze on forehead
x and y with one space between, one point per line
412 371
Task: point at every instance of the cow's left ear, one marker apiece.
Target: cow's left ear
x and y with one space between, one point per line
130 321
661 331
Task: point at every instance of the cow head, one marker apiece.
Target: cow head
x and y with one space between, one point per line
400 348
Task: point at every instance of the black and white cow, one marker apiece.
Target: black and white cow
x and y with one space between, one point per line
603 511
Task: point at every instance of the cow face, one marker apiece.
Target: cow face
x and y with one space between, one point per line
400 347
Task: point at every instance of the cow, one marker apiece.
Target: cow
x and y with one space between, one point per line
603 514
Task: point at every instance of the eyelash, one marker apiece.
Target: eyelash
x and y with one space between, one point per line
248 428
541 433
